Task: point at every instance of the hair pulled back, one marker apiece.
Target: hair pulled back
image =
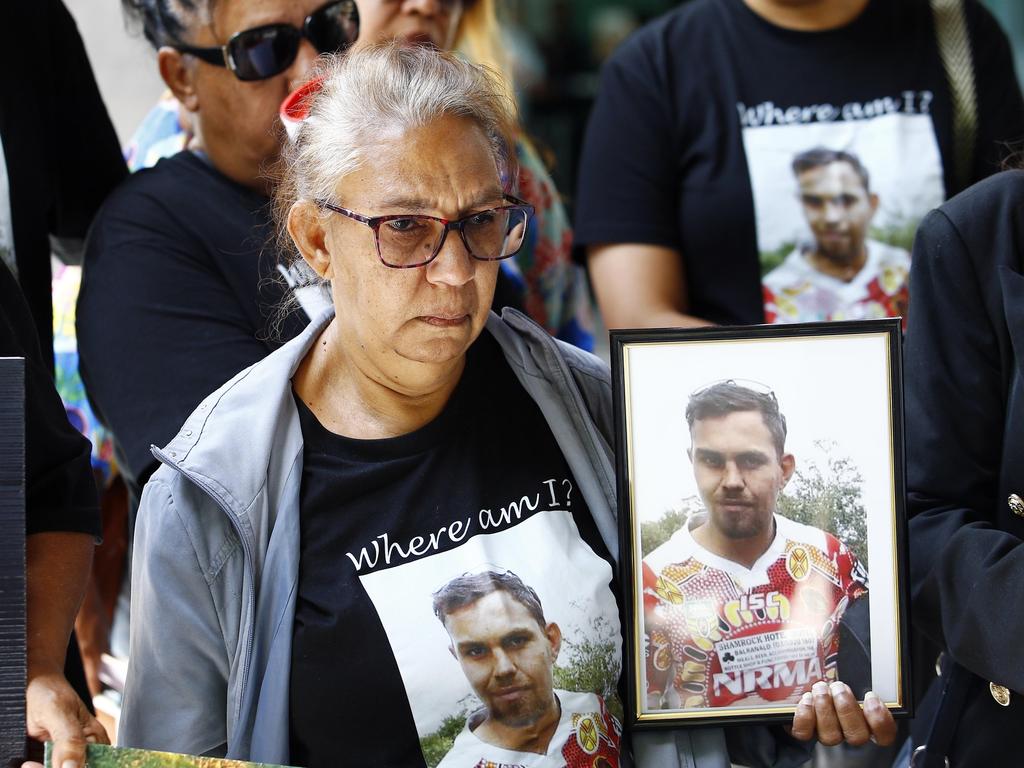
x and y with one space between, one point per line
383 91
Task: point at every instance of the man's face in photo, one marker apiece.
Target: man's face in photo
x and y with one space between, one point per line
739 472
838 208
507 656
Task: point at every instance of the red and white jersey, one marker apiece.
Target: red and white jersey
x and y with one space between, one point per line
587 736
719 634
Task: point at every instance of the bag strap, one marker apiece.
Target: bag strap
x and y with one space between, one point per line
954 43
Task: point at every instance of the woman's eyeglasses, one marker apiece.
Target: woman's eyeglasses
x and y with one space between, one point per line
408 240
262 52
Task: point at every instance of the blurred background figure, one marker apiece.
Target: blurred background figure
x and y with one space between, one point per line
686 195
180 279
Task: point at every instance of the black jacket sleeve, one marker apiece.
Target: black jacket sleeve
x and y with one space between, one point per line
965 564
60 493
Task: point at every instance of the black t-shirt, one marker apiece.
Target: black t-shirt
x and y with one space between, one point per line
179 292
385 524
60 493
702 113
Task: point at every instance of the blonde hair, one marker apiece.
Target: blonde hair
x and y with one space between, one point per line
378 91
479 38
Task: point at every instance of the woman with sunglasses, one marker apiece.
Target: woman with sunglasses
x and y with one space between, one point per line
392 541
178 283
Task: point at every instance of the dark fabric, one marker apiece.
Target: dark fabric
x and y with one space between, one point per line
179 292
965 453
489 445
663 161
61 151
60 493
854 663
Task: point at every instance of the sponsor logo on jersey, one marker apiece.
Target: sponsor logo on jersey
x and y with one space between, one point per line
782 675
756 607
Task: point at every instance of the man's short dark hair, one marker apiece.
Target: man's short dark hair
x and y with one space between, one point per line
727 397
468 588
820 156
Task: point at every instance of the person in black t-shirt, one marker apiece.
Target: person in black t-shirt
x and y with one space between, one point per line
686 200
288 550
180 284
61 522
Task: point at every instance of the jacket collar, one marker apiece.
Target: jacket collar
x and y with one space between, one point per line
230 440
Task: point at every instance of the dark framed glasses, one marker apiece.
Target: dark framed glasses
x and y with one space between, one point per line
407 240
262 52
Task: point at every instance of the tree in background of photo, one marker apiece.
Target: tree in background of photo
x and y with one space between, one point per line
829 497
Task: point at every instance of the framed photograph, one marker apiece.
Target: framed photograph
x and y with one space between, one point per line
760 482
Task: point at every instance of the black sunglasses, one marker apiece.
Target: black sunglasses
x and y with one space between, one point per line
262 52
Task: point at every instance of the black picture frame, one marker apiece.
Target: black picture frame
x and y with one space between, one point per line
653 372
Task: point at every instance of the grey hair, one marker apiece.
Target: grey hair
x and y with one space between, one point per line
376 92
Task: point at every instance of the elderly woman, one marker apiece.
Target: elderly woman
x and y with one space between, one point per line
392 541
178 276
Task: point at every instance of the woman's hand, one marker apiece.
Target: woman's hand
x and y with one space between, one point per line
831 714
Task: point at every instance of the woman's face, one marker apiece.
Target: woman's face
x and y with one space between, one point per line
399 319
433 22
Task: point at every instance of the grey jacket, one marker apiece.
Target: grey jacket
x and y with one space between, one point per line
215 569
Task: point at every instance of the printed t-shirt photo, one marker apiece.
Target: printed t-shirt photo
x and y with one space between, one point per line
720 634
835 215
455 601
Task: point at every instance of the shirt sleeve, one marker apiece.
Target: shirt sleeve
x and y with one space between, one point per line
60 493
627 179
88 162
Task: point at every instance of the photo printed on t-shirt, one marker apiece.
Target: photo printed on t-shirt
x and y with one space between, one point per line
838 193
506 633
